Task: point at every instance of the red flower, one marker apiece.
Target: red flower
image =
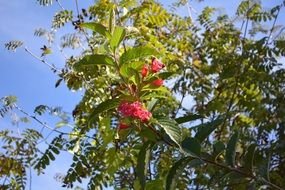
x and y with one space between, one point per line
134 110
123 126
156 65
157 82
126 109
144 71
142 114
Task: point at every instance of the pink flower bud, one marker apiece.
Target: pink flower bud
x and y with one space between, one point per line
144 71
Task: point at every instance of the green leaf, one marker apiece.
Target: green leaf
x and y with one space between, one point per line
61 124
118 36
264 168
218 148
112 18
231 149
136 53
97 27
51 156
191 146
104 106
163 75
127 69
155 185
188 118
249 157
150 87
151 104
148 134
91 60
172 129
142 163
204 130
176 170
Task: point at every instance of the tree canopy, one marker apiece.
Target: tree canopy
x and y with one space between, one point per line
169 102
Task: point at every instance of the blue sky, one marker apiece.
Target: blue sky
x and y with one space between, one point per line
32 82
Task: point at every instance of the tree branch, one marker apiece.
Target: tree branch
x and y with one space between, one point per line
53 68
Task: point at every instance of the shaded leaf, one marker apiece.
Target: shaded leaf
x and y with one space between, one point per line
191 146
231 149
218 148
249 157
176 170
104 106
142 163
204 130
264 168
188 118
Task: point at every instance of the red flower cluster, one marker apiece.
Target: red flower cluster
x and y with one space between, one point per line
123 126
156 65
134 110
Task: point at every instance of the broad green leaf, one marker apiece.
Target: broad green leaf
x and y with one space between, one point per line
126 69
91 60
123 134
118 36
218 148
136 53
188 118
150 87
176 170
142 163
264 168
104 106
172 129
231 150
191 146
151 95
135 78
151 104
204 130
96 27
249 157
149 134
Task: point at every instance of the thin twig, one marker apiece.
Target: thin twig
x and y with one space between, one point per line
180 104
45 125
273 26
60 5
77 8
53 68
240 172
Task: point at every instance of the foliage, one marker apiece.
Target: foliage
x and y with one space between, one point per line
220 139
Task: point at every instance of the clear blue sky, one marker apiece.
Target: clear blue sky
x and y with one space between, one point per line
32 82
